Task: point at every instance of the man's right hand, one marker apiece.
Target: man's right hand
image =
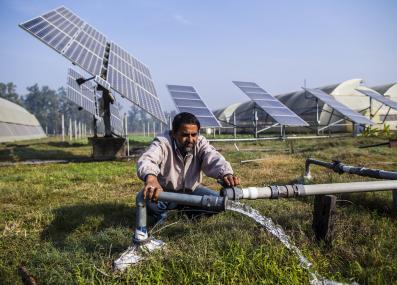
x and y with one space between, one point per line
152 188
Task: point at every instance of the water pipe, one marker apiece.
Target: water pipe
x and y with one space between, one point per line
206 202
340 168
223 202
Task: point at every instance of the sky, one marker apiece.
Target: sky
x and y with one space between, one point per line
208 44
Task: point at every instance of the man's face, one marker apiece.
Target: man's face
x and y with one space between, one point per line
186 136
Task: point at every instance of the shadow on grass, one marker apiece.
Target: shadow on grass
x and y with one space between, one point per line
67 144
19 153
79 221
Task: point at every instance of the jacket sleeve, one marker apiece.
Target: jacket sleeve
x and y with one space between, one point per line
213 163
150 160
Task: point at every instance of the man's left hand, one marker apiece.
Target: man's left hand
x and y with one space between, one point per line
231 180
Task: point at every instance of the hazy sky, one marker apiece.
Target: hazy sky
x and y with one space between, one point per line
208 44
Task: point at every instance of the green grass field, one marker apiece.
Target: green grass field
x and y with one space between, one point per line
67 222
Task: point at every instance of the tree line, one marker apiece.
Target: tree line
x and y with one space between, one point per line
48 105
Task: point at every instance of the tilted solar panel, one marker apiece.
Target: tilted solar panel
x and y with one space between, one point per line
83 95
378 97
187 99
82 44
132 79
272 106
70 36
339 107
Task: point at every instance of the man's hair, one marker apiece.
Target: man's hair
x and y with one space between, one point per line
184 118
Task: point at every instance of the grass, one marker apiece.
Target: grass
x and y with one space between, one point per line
67 222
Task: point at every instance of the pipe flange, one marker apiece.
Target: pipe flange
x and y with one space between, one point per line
275 191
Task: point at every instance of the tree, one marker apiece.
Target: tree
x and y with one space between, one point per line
8 92
138 120
44 104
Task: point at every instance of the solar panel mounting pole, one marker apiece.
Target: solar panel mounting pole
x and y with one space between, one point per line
63 126
70 129
234 125
370 108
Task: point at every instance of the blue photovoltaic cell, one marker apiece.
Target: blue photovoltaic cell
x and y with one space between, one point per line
273 107
83 95
187 99
339 107
69 35
378 97
132 79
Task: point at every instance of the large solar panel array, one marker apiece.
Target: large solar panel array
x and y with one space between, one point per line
339 107
378 97
187 99
273 107
83 95
69 35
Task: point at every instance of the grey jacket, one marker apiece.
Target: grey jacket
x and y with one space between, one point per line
176 173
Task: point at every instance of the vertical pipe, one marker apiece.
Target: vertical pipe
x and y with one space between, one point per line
370 108
75 129
63 126
154 129
256 122
234 125
70 129
148 129
143 128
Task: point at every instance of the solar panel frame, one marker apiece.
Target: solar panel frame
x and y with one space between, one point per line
60 29
270 105
131 78
194 106
83 95
378 97
348 113
83 45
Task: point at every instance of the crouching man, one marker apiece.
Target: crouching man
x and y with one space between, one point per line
174 162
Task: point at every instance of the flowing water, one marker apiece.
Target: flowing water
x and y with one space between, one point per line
278 232
136 253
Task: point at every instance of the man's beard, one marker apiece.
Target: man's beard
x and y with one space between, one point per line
185 149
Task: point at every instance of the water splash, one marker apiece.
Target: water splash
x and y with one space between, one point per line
136 253
278 232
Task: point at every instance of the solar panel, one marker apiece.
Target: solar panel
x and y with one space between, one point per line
344 110
273 107
83 95
100 81
69 35
378 97
82 44
116 121
187 99
131 78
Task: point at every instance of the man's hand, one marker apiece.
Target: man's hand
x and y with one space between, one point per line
231 180
152 188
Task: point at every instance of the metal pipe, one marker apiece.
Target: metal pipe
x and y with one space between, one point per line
353 187
221 203
340 168
206 202
298 190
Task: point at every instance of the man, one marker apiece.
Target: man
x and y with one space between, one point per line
174 162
